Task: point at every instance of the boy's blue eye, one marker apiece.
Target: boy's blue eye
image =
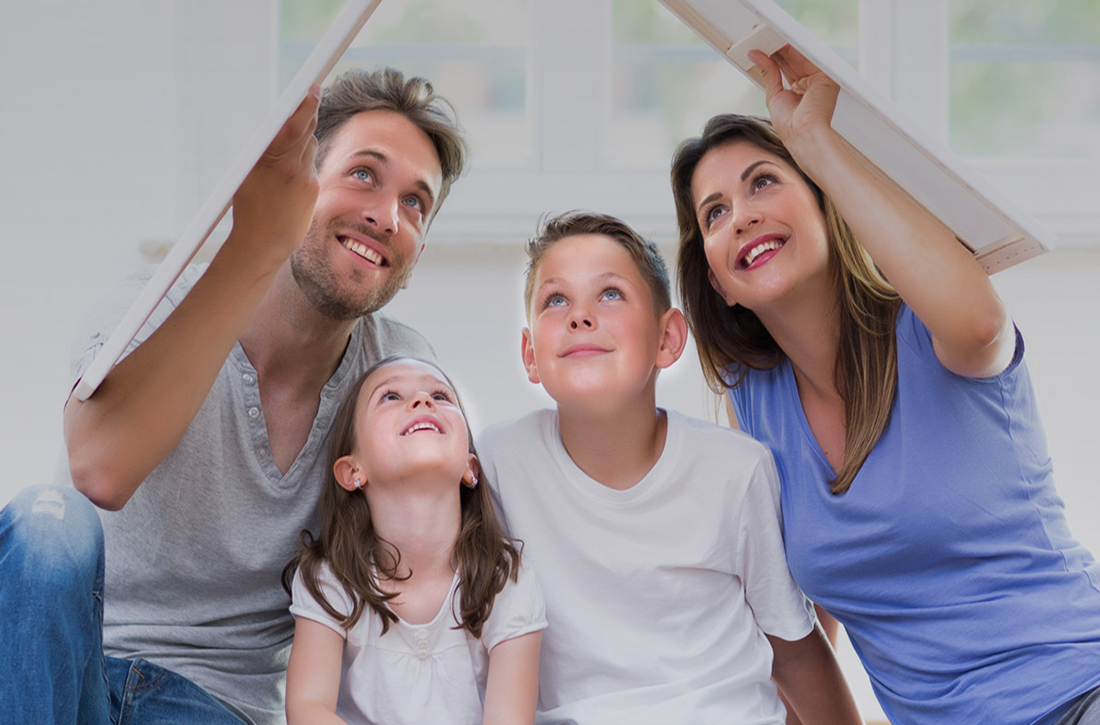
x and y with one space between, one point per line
612 293
554 300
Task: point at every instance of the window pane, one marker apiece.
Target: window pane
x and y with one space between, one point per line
475 54
666 82
1048 54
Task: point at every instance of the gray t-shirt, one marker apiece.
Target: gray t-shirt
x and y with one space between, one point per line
193 561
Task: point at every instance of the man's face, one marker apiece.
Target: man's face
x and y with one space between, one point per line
379 186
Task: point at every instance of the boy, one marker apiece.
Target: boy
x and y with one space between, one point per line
655 537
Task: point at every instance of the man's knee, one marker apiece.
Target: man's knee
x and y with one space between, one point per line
50 537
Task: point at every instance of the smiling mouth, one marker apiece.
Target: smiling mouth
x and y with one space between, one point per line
423 425
363 251
752 254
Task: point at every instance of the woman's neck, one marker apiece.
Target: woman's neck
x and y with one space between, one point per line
807 330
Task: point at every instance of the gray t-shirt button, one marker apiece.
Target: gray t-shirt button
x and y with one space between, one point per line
248 378
261 452
253 412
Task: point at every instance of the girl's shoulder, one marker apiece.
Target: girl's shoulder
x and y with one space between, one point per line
518 608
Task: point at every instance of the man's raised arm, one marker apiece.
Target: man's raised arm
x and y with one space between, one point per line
140 412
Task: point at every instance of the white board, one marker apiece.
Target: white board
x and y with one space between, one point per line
314 70
999 233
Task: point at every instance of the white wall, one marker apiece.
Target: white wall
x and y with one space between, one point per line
98 106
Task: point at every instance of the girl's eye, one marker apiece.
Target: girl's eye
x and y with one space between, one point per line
389 396
612 293
441 396
554 300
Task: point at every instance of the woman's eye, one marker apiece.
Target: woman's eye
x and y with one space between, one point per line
762 181
713 213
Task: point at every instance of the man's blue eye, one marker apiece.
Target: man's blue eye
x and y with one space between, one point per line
362 174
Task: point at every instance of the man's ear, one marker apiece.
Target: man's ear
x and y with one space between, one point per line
348 474
674 330
405 284
472 473
528 352
718 288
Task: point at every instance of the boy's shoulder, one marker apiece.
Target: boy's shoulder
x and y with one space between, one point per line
535 425
703 436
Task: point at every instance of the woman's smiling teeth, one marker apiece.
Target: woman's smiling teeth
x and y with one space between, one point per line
364 251
423 425
759 249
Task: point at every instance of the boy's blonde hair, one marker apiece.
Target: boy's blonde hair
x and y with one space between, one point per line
647 258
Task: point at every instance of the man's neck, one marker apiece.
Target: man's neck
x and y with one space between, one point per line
617 447
291 344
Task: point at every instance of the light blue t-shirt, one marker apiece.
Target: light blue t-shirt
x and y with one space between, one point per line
949 561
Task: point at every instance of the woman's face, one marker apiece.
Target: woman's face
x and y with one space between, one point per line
764 234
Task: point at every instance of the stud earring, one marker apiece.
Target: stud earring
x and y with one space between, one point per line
358 484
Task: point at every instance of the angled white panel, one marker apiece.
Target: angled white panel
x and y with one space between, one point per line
314 70
998 232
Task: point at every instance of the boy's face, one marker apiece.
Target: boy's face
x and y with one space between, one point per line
594 337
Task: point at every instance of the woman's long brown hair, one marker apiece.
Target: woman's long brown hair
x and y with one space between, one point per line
732 340
484 558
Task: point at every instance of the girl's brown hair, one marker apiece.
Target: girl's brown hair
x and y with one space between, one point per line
731 340
356 555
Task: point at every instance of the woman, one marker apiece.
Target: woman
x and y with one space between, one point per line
864 344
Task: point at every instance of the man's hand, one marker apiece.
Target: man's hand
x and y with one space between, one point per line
273 207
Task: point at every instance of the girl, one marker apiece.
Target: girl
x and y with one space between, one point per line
918 501
411 607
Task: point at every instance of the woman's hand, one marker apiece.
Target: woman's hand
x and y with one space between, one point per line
804 109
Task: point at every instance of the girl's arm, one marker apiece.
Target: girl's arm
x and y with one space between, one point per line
936 276
811 680
512 690
313 675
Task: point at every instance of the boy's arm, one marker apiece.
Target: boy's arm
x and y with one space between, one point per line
810 677
137 416
313 675
512 690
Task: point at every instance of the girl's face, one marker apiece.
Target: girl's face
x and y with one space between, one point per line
408 427
764 234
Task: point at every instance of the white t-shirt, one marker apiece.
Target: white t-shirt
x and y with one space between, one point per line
658 597
426 673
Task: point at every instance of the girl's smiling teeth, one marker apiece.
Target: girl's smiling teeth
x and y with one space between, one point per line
422 425
750 256
363 251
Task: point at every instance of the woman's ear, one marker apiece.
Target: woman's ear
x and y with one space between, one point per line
718 288
472 473
348 474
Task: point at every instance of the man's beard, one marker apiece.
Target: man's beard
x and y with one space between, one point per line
310 266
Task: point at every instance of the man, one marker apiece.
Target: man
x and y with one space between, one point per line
206 443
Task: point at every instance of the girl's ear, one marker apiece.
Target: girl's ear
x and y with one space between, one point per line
472 473
348 474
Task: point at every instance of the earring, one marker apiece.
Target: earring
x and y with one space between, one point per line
358 484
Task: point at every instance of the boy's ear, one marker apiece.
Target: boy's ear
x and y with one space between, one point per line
718 288
528 352
472 473
347 472
673 328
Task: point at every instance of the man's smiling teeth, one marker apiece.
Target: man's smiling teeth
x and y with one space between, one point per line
364 251
760 249
421 426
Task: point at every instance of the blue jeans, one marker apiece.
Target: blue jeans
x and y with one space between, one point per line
52 666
